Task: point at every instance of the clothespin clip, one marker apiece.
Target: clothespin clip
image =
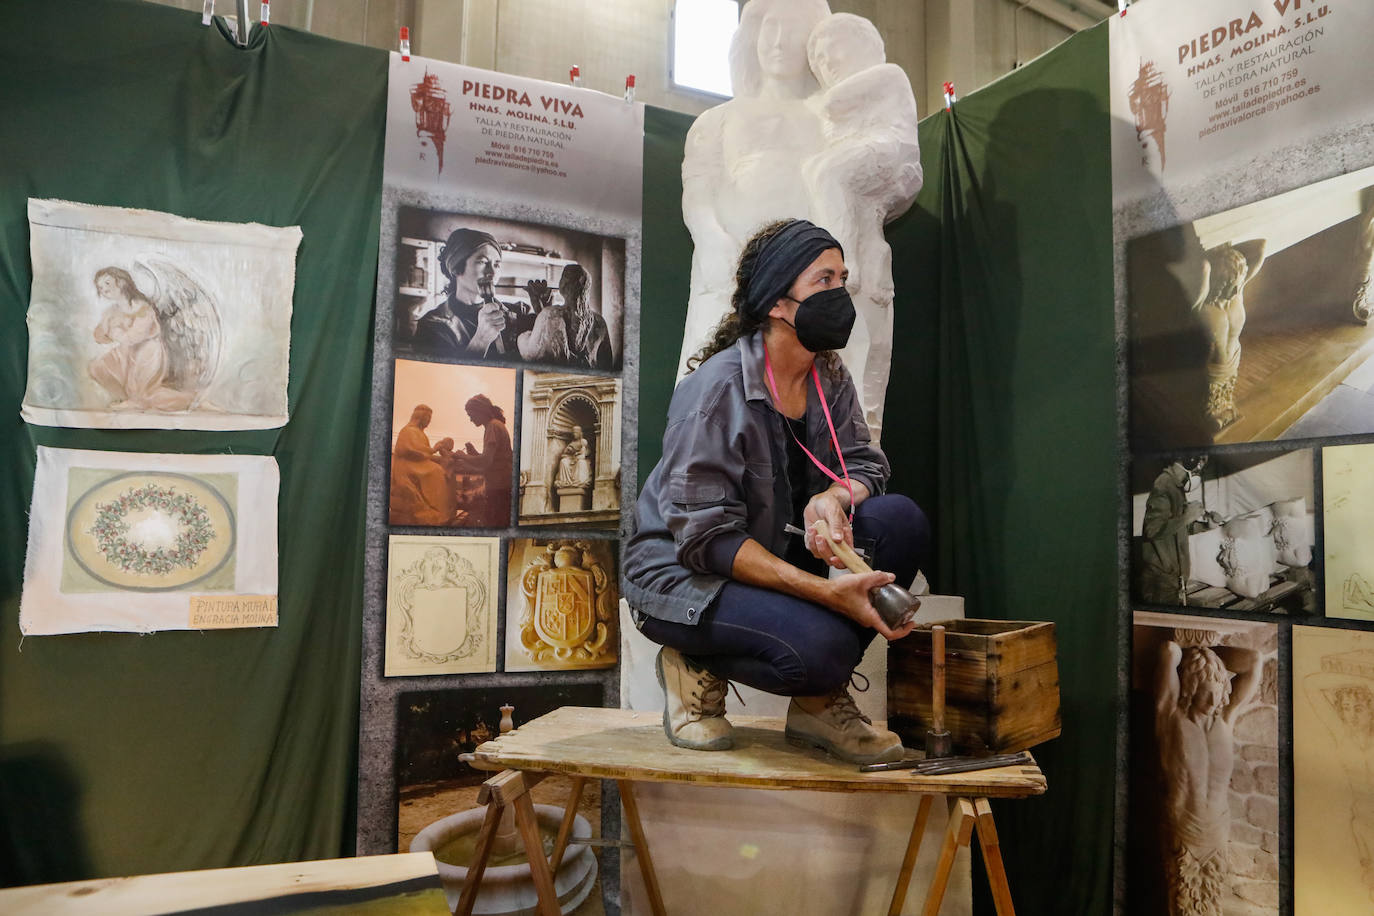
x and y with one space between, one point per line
405 43
949 95
630 88
266 16
575 75
1123 4
207 12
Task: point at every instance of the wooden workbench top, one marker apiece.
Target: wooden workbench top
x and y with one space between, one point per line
630 744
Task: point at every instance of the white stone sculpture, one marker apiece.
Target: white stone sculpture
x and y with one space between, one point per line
1247 555
1292 532
820 128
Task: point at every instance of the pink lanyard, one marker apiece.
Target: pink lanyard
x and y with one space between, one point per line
816 377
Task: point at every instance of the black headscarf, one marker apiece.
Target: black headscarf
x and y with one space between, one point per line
781 260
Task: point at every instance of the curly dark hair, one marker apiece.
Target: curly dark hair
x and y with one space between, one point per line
737 323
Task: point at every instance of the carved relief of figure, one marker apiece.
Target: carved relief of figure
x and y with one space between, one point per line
1200 690
867 173
1221 311
1362 304
163 347
1289 531
575 465
570 607
1344 704
1246 555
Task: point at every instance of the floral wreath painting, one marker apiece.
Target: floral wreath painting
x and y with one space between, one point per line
130 542
153 532
441 616
140 319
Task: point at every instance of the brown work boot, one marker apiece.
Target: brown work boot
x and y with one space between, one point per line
693 704
842 731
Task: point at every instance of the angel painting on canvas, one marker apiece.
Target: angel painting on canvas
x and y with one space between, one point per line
163 347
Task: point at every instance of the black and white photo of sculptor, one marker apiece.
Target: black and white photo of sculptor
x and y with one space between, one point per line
474 288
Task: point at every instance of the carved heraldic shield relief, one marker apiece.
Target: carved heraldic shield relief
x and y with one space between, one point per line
568 602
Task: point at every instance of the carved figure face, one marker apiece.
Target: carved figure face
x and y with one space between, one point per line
782 44
434 567
478 275
422 416
842 46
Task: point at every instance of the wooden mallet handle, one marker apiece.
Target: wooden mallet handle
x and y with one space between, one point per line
852 561
937 678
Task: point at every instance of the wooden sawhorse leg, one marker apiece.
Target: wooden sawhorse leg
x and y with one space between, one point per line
646 864
964 815
510 787
913 847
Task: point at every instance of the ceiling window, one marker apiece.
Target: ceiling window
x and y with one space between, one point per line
702 30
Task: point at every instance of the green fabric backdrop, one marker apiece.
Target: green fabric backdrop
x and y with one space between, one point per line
1001 410
119 753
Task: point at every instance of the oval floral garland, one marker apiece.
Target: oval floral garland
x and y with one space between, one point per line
110 528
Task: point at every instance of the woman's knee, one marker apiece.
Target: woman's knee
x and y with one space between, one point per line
900 527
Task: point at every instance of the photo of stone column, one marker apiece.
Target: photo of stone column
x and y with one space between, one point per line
1203 835
570 450
1333 771
562 604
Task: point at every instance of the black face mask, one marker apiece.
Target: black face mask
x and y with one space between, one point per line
824 319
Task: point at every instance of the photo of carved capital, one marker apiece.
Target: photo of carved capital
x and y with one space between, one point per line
570 450
562 604
1203 834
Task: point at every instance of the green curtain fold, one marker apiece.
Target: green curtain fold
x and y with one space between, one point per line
124 754
1027 431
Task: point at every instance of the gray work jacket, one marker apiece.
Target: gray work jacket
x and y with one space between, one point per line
724 478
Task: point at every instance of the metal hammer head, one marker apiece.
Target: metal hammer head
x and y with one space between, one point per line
894 604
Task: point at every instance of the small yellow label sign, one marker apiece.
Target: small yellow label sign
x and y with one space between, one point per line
222 612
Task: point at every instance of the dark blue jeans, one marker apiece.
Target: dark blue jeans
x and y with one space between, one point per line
784 645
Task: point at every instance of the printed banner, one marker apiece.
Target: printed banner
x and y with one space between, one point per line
120 541
146 320
1203 88
510 218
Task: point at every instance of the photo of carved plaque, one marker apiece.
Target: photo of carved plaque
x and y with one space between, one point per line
562 604
1203 834
1333 771
441 605
570 450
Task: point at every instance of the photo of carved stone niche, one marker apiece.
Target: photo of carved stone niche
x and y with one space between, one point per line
1234 531
570 450
1333 771
562 604
1348 505
474 288
1203 836
1253 324
441 600
434 482
146 320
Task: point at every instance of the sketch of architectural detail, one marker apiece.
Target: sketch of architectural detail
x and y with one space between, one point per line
1357 594
567 594
1348 503
570 450
131 542
1333 735
140 319
441 607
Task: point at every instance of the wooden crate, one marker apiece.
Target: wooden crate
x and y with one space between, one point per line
1002 685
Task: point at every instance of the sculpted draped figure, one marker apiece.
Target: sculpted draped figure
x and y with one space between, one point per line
820 126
